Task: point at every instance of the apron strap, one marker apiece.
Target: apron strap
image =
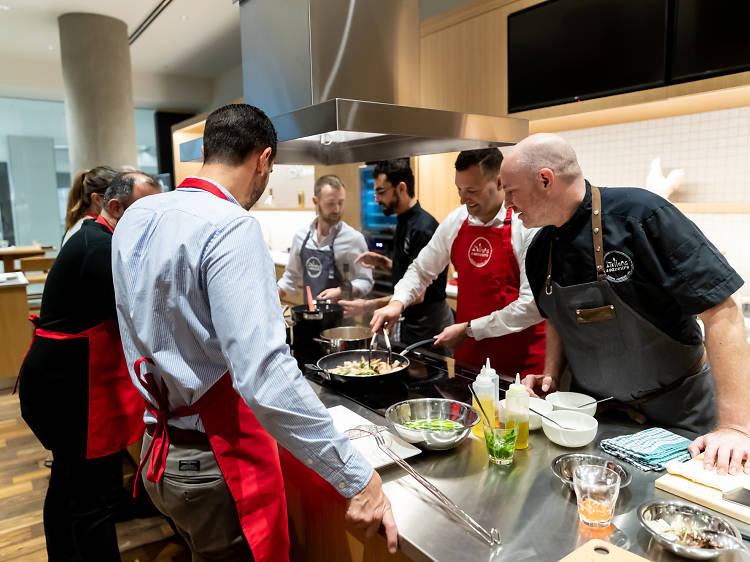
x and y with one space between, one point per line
597 237
159 445
596 232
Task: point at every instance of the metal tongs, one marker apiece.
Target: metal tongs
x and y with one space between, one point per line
373 343
491 537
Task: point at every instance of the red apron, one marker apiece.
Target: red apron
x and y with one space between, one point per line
115 407
247 455
489 279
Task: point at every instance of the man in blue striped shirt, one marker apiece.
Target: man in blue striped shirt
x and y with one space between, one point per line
200 318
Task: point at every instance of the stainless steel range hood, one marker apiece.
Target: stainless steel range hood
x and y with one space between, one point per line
340 80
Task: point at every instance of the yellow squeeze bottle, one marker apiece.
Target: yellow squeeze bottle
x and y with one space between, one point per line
517 411
485 389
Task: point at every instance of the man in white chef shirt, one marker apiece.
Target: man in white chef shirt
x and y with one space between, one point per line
320 250
496 316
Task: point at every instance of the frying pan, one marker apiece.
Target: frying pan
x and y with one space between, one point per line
337 359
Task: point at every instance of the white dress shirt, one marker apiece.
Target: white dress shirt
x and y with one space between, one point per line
347 245
516 316
195 290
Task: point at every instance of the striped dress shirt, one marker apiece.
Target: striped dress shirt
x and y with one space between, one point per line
195 290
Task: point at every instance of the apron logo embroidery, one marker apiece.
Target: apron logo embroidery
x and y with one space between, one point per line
313 267
480 252
618 266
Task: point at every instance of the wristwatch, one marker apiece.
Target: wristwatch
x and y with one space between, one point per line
469 331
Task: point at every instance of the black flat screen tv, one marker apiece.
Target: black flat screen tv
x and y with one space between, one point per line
563 51
711 37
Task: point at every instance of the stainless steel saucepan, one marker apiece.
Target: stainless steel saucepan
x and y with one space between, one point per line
344 338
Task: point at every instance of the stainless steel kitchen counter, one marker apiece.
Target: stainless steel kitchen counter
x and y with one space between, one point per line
535 514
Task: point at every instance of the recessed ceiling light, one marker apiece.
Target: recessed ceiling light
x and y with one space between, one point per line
50 47
183 18
4 7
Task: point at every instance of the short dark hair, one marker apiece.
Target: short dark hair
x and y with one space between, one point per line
489 160
330 180
234 131
122 186
396 171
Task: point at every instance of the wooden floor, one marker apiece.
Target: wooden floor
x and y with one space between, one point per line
23 485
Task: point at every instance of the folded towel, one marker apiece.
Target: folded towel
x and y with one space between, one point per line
650 449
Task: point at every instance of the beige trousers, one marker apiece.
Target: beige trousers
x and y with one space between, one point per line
193 493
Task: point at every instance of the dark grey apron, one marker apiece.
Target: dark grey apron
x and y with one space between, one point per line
425 321
319 270
613 351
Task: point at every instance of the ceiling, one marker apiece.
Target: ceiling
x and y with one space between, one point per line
198 38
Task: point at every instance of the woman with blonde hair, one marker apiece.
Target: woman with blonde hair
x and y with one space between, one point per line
85 197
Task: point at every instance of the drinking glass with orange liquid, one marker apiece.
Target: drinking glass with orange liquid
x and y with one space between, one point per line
596 489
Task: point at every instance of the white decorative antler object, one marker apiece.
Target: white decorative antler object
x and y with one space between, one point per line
663 186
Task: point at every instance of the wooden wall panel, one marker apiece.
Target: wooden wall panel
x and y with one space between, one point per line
436 187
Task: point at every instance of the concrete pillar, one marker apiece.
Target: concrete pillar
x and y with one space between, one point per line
98 91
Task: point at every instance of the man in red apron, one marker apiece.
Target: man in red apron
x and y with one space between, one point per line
75 389
496 316
621 276
202 330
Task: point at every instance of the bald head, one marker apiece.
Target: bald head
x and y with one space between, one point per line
542 180
544 150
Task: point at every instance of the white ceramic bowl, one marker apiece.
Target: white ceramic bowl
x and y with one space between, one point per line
582 428
541 406
571 401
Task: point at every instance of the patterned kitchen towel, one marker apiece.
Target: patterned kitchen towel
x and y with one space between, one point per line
650 449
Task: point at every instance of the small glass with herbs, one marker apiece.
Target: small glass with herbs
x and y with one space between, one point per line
501 442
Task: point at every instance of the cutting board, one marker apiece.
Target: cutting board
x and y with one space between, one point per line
688 480
597 550
703 495
344 418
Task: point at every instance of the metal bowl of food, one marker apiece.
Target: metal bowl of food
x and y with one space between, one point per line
435 424
688 530
564 465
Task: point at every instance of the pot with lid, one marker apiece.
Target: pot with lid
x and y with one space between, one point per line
308 324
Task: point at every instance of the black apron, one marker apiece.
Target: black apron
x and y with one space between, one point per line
424 321
319 271
613 351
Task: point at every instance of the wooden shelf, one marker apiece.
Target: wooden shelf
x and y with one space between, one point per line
727 208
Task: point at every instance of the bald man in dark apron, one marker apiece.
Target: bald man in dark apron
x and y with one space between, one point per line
622 275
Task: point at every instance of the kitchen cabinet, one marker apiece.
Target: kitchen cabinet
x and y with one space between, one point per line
15 328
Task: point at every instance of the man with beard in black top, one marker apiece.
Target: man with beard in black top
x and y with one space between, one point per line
394 192
75 389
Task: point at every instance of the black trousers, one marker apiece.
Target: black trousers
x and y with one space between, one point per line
80 508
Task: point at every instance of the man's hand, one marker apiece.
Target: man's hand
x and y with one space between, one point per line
354 308
452 336
540 385
368 509
371 260
389 313
333 294
725 447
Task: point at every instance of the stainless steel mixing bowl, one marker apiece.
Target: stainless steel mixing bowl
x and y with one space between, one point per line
432 409
564 465
689 516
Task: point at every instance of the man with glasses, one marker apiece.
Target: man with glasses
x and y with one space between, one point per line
394 192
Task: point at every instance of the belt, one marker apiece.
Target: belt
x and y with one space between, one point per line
179 436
